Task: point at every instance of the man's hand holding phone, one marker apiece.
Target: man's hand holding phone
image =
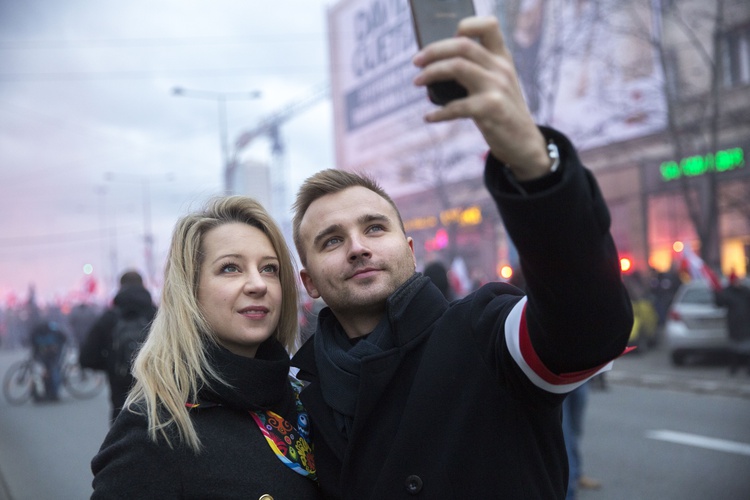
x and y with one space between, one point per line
435 20
478 59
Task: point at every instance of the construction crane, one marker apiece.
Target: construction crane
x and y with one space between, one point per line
269 127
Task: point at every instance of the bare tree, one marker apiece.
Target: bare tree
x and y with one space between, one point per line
698 125
688 38
685 40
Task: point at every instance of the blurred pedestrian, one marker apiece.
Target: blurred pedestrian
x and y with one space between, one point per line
80 319
663 287
735 297
47 344
574 413
103 348
438 274
214 412
309 312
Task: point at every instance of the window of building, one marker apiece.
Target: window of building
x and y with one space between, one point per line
736 57
672 68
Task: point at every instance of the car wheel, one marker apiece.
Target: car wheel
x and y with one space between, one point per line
678 358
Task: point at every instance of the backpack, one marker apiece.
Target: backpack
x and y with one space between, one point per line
127 336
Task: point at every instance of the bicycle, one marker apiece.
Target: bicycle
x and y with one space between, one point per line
25 378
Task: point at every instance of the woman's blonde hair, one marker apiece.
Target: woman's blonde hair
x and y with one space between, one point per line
172 365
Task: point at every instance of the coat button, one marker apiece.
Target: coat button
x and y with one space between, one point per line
413 484
266 496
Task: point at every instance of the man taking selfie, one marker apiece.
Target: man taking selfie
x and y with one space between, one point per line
413 396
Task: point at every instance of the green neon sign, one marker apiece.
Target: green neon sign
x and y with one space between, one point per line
722 161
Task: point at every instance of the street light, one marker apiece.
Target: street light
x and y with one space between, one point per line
148 237
221 99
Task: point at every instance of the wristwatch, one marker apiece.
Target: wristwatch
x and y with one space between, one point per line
554 155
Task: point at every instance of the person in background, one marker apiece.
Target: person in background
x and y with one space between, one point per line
574 413
133 302
80 320
414 396
47 346
214 412
735 297
437 272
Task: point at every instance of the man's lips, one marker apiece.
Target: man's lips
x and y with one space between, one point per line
364 272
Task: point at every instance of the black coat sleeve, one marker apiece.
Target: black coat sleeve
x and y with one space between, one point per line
130 465
578 315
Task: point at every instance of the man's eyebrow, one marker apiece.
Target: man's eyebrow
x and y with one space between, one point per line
325 232
363 219
373 218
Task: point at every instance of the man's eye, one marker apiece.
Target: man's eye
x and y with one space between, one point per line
331 241
375 229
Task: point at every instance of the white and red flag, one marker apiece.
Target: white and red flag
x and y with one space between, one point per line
696 268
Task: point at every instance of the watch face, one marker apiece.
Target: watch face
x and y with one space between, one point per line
554 154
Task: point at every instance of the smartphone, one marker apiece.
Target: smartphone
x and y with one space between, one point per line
436 20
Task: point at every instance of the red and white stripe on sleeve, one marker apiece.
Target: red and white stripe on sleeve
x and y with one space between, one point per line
519 345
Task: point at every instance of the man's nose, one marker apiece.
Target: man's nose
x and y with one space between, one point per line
358 248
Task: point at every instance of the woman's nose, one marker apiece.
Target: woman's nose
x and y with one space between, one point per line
255 283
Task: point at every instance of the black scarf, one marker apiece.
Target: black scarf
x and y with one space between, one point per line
259 383
339 363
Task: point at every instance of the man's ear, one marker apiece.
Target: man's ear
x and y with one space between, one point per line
307 282
410 240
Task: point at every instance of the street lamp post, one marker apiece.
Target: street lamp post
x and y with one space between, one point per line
148 236
221 99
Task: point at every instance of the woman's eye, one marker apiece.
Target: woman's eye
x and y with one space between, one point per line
270 269
229 268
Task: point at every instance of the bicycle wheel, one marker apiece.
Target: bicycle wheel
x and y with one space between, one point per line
18 382
82 383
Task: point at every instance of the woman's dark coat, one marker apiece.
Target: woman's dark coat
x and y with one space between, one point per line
236 461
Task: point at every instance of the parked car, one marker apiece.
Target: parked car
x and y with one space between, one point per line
695 324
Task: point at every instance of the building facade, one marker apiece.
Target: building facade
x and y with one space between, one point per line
655 94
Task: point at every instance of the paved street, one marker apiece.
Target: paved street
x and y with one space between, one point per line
45 449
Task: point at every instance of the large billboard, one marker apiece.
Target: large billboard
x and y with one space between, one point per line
587 69
598 72
378 112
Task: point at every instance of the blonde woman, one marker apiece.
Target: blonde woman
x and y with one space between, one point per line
214 412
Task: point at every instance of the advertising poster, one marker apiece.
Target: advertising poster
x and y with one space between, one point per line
378 112
586 68
589 68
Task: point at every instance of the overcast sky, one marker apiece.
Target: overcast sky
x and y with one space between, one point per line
88 118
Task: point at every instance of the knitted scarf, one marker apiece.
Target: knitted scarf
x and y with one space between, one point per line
339 364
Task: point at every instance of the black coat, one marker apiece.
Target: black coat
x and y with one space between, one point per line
452 411
130 301
236 461
736 299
